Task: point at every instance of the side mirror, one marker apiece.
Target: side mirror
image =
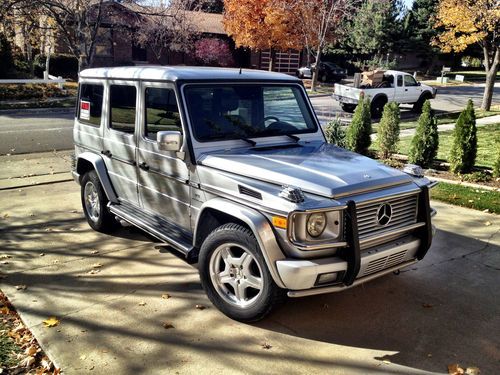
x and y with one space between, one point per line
418 84
169 140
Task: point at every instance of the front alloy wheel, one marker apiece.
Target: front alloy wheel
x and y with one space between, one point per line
235 276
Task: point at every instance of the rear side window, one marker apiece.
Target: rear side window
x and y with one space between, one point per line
400 81
162 112
90 104
122 108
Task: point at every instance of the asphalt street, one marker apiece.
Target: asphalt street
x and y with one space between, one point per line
26 131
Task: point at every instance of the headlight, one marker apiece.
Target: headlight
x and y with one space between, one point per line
316 224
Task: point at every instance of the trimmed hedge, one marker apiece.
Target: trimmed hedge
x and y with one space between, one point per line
30 91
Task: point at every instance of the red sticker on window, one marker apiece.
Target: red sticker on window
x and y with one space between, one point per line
84 110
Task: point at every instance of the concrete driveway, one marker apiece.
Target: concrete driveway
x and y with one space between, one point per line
107 292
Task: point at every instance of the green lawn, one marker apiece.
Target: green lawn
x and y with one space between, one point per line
8 348
486 138
465 196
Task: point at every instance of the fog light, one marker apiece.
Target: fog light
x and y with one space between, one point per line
327 278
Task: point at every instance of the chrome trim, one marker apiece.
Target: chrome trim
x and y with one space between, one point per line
370 189
387 197
339 288
170 176
433 184
408 228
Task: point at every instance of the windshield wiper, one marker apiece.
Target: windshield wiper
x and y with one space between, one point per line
249 141
294 137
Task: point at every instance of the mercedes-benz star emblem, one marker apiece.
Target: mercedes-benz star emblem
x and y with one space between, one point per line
384 214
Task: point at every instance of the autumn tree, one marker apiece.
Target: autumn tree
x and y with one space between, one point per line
213 51
261 25
167 27
319 23
467 22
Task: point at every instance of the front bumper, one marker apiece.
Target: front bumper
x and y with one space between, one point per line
300 276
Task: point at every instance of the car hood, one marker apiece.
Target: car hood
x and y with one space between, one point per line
317 168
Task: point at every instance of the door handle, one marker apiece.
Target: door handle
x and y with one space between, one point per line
406 89
106 153
144 166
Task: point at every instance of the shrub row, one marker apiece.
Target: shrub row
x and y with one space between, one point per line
30 91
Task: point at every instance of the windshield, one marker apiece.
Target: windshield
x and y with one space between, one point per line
232 111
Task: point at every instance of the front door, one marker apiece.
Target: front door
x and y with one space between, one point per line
119 143
163 176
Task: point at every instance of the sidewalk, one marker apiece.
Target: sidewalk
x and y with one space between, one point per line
17 171
113 295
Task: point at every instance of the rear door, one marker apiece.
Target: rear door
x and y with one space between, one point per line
399 92
119 143
87 132
163 176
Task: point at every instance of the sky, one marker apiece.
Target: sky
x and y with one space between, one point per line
408 3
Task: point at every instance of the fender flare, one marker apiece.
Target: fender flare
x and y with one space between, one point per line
378 96
100 168
426 93
258 224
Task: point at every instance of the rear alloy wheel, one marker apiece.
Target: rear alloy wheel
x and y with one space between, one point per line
94 204
349 108
234 274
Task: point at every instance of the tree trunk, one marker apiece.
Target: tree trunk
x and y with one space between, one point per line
316 71
272 58
491 74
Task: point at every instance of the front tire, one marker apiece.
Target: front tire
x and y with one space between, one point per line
417 107
377 107
94 204
349 108
235 276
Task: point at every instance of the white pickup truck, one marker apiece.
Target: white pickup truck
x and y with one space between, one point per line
399 87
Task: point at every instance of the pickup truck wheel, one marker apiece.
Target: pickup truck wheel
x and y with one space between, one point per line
377 107
94 203
417 107
234 274
350 108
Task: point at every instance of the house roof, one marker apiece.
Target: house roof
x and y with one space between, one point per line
207 22
186 73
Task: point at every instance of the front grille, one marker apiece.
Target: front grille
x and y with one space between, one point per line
385 262
403 213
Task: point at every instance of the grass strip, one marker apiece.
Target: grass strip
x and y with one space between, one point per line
465 196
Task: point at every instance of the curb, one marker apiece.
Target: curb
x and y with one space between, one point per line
36 110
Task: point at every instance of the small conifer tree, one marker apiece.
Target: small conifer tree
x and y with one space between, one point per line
359 131
334 133
425 142
496 166
388 131
464 148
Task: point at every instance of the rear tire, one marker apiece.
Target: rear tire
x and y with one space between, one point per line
235 276
377 107
95 204
349 108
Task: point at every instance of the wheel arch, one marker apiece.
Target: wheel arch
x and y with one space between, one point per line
219 211
379 97
426 95
88 161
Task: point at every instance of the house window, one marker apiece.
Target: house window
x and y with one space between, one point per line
122 108
90 104
104 43
139 53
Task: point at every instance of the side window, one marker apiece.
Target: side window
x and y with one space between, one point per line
400 81
90 104
410 81
122 108
162 112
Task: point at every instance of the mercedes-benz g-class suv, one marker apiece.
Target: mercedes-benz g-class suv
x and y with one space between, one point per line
230 168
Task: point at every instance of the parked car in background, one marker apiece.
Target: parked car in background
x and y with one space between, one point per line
395 86
328 72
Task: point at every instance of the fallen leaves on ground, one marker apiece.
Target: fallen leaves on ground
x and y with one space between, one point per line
165 296
21 287
456 369
5 256
168 325
93 252
93 272
200 307
142 303
51 322
488 223
426 305
97 265
266 345
29 358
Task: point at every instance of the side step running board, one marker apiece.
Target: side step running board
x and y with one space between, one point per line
157 227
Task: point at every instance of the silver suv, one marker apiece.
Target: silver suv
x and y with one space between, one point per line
230 168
